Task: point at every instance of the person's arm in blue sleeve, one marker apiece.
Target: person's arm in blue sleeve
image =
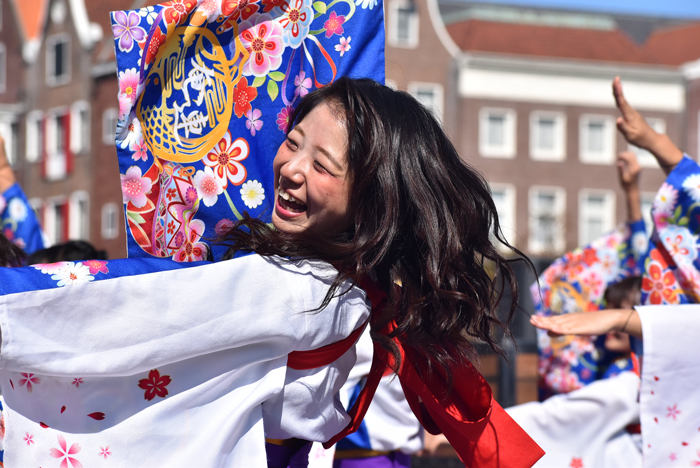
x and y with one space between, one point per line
18 221
628 171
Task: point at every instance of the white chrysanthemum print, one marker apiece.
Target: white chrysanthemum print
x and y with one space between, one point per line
72 274
252 193
18 209
692 185
639 243
665 200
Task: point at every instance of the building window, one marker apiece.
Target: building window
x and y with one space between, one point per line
110 221
497 133
80 127
597 139
57 127
547 136
547 220
9 130
58 59
3 67
504 198
109 126
430 95
79 216
596 214
403 24
645 158
56 213
35 136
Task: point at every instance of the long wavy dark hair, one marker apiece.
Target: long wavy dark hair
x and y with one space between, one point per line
423 218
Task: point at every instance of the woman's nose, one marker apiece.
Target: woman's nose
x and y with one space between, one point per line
294 169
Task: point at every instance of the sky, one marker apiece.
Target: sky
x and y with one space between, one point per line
666 8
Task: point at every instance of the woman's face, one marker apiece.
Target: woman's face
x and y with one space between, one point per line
311 176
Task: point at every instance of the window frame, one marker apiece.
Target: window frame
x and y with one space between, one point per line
607 155
56 157
51 41
79 221
556 154
437 105
109 232
79 128
413 24
608 215
508 149
559 243
109 136
507 214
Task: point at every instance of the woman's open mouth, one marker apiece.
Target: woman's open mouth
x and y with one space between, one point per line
288 203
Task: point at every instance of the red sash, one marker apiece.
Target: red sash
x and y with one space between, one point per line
478 428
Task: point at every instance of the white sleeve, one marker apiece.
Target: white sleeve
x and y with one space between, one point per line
131 324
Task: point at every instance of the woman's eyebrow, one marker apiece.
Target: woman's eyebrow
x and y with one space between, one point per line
323 150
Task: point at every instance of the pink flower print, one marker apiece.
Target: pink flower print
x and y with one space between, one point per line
125 104
64 453
576 463
191 196
225 159
254 124
191 249
127 30
29 438
302 85
334 25
30 380
223 226
140 151
51 268
96 266
104 452
263 40
129 83
673 457
155 385
2 426
696 462
208 187
283 118
673 412
344 45
135 187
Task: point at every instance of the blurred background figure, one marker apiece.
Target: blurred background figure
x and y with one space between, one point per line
70 251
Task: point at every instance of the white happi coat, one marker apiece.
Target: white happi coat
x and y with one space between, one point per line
176 368
586 428
670 390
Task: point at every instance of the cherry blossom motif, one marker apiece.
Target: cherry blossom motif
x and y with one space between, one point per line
208 186
344 45
283 118
125 104
295 17
672 457
302 84
592 283
74 273
696 462
191 249
29 438
29 380
334 25
673 412
127 30
223 226
155 385
140 151
576 463
135 187
51 268
209 9
176 10
242 95
157 40
242 9
252 193
225 159
104 452
96 266
263 41
64 453
254 124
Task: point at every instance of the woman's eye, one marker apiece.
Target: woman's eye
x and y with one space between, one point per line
291 143
320 167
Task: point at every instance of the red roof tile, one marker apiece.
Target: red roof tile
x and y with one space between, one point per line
677 45
31 15
546 41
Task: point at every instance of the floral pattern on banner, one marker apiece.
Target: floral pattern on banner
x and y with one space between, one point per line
672 267
19 223
206 88
576 282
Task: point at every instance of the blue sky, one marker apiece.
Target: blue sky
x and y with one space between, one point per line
665 8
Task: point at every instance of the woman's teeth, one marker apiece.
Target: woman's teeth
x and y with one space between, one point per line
290 203
287 196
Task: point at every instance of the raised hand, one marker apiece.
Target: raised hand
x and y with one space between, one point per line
7 175
628 171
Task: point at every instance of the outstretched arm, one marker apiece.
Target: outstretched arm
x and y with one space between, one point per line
628 171
638 132
591 323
